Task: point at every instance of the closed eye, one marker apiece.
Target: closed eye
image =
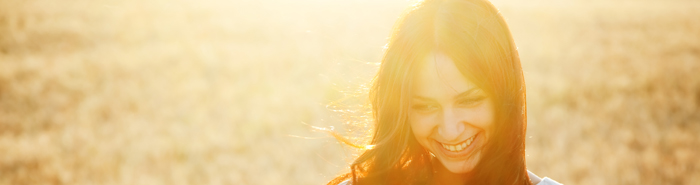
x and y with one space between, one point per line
472 101
424 108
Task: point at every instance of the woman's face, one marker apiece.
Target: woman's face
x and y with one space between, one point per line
449 115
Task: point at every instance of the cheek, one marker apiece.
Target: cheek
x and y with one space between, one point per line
482 116
421 126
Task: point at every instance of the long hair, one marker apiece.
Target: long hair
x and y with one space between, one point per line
475 36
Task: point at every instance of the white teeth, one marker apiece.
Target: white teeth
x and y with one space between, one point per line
458 147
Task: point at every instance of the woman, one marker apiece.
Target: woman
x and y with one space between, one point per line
448 102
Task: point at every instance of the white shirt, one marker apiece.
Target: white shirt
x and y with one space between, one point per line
548 181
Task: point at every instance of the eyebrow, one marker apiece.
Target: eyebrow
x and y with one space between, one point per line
460 95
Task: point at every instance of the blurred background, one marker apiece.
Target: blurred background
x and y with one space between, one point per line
226 91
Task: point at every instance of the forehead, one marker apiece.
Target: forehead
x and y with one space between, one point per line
437 75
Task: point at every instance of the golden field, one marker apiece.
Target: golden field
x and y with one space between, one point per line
225 92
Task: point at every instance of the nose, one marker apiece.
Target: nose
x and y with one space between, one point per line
451 127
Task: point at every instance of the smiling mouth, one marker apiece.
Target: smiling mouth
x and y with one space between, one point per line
459 146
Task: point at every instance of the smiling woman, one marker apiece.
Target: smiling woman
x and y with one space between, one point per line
448 101
449 115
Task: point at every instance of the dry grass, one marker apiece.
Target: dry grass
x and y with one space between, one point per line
215 92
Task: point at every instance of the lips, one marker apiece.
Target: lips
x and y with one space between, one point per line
459 150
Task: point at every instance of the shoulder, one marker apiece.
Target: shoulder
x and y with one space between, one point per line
541 181
548 181
533 178
346 182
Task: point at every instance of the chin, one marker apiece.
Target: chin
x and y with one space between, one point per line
464 166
